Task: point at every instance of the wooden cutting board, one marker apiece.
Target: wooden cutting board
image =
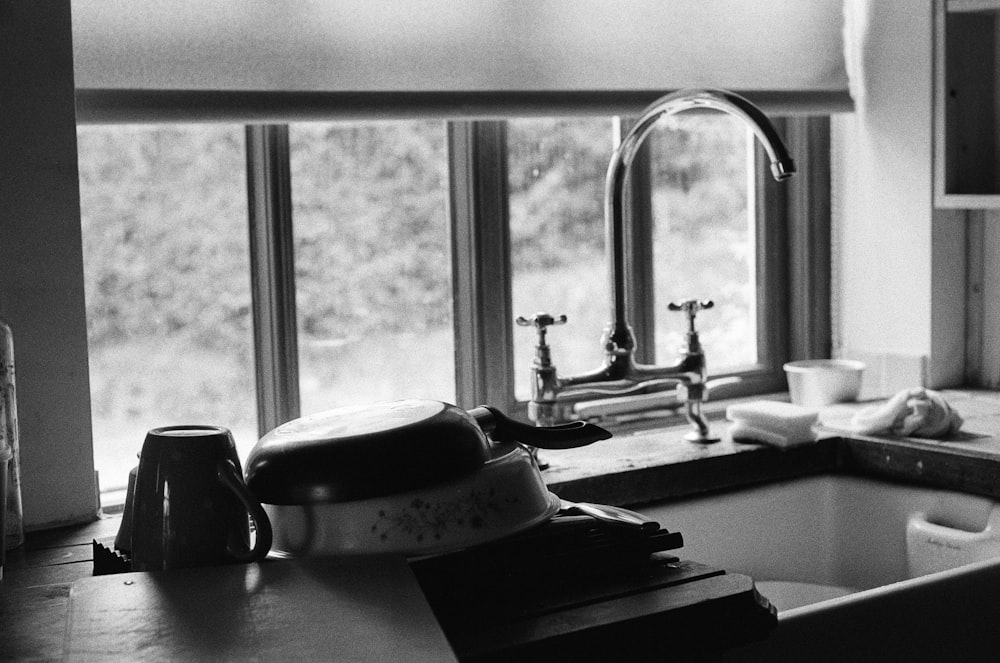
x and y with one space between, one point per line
365 609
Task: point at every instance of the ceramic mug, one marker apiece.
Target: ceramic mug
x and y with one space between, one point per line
190 503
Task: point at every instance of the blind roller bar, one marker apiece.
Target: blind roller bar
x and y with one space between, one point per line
468 59
112 106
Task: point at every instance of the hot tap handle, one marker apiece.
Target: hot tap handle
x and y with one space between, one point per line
541 321
691 307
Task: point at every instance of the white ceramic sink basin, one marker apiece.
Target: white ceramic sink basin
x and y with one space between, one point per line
831 554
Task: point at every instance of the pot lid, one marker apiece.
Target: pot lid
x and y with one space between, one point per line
357 452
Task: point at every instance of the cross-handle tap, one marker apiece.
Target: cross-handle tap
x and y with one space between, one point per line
554 399
691 307
694 392
545 383
541 321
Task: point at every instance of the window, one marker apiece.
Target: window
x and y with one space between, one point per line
556 171
372 268
167 279
703 236
415 243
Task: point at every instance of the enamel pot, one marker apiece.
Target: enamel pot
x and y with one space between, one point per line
412 476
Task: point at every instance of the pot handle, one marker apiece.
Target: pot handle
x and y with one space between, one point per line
565 436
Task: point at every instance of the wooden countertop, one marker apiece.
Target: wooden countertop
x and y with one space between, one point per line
365 609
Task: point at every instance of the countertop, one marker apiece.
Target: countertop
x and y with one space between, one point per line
639 466
377 608
635 467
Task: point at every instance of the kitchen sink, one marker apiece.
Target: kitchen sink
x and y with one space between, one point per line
831 554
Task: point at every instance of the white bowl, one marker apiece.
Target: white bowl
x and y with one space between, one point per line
503 497
818 382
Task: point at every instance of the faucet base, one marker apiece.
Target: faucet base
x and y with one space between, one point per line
698 437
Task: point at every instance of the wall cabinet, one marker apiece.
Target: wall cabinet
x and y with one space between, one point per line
966 104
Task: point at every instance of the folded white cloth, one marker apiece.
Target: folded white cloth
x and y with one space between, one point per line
916 412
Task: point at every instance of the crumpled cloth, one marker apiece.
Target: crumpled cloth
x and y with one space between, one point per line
916 412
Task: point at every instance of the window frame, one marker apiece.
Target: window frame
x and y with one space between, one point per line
792 283
272 274
793 258
481 283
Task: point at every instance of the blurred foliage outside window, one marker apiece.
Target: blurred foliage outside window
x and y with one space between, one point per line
703 236
556 176
167 279
167 268
372 263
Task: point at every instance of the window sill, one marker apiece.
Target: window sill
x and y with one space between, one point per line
643 465
649 461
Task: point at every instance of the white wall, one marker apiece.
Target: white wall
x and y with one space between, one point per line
41 261
894 263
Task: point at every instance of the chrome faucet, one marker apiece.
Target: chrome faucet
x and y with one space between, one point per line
552 396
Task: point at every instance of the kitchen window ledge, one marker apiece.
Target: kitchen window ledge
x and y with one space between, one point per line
637 467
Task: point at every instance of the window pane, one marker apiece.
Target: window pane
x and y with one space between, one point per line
164 214
372 262
556 173
704 236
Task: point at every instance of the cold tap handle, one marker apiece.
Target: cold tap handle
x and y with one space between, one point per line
691 308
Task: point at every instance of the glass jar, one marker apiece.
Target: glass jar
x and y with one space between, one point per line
14 520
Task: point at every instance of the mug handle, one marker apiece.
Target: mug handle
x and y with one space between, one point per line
232 480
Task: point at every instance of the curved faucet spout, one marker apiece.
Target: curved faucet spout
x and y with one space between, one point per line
782 167
552 395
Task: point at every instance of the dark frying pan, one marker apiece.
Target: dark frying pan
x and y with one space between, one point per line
358 452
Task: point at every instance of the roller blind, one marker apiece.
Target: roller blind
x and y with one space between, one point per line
263 59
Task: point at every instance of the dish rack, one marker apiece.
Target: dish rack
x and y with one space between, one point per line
570 562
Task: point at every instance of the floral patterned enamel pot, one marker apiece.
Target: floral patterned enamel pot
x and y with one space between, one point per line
413 477
503 497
